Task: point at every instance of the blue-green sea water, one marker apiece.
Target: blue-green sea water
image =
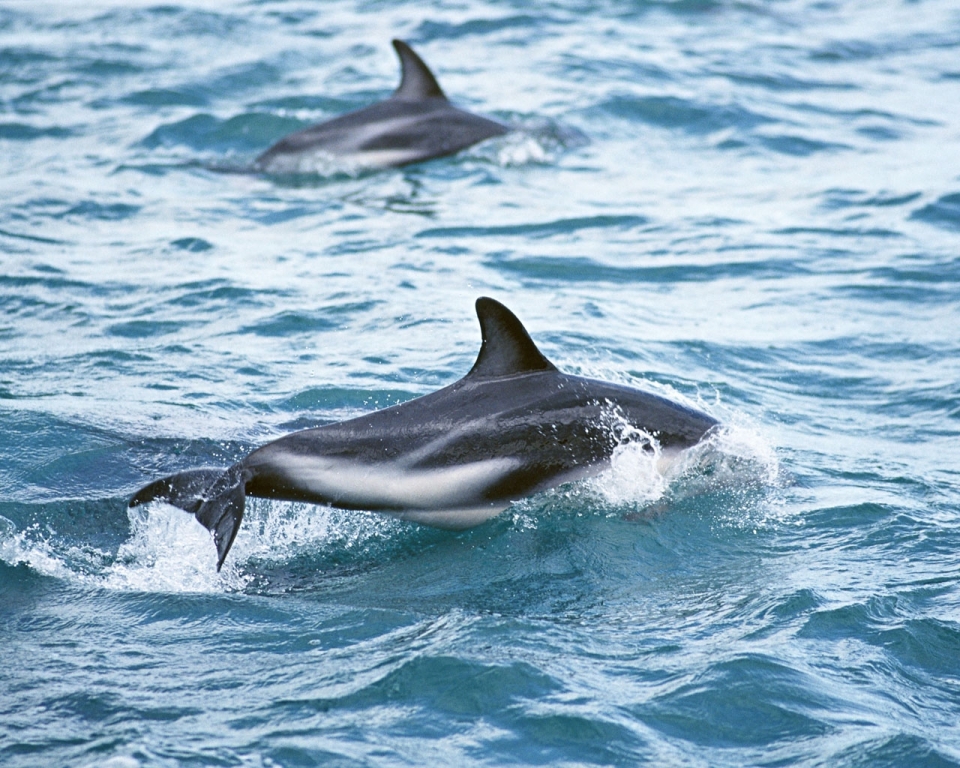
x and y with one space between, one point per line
751 207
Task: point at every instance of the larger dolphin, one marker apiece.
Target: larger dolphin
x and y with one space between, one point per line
513 426
416 123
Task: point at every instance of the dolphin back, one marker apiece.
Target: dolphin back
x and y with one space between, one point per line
216 497
415 123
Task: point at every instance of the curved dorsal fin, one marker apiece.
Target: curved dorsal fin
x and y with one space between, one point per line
507 348
416 79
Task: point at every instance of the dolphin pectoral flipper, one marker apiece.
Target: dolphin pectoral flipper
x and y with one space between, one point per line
216 497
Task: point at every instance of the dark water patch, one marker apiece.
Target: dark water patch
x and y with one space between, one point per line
858 198
166 97
591 69
153 457
789 608
325 106
26 65
292 323
115 358
540 230
81 471
568 736
441 30
786 81
340 398
880 133
894 751
31 238
25 132
192 244
682 8
171 21
850 621
887 46
242 78
457 687
40 449
144 329
918 293
20 589
848 50
856 232
220 294
867 114
874 348
944 212
800 146
100 68
73 528
855 516
689 116
90 209
781 704
243 133
928 645
581 269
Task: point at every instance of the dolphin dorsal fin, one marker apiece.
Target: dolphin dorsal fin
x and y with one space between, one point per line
507 349
416 79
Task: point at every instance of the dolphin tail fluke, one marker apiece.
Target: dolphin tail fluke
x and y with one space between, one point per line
216 497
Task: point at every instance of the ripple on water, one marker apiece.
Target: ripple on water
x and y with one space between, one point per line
944 212
752 202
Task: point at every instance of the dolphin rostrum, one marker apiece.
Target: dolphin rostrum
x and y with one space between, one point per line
416 123
513 426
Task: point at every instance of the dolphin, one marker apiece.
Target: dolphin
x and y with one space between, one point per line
415 123
513 426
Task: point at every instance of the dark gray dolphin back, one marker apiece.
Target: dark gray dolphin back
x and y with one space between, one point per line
507 349
416 80
415 123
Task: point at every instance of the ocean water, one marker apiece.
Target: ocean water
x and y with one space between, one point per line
751 207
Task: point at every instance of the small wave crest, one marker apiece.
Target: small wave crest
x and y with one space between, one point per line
32 547
169 551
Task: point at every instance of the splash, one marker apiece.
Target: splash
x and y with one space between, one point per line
530 142
168 551
281 531
317 163
644 478
636 476
33 548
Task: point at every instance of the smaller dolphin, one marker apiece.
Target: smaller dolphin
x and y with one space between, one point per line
513 426
416 123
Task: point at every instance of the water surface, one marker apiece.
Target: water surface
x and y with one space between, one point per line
753 208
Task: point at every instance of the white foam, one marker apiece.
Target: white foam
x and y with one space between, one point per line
637 474
31 548
277 531
168 551
734 456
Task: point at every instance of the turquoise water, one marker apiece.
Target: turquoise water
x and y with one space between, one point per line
753 208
